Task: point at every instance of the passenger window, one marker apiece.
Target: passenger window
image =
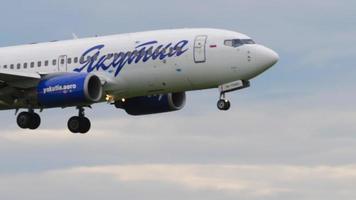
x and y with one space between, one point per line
76 60
5 66
62 61
39 63
46 63
54 62
12 66
32 64
69 60
18 66
25 65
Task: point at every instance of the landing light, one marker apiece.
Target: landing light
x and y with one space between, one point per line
109 98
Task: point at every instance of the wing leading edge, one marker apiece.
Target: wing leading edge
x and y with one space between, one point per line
21 80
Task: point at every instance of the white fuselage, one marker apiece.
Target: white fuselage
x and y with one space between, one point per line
147 63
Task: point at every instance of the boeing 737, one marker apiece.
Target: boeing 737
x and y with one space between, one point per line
141 73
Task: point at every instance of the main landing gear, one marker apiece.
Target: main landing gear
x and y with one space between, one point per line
223 103
79 124
29 120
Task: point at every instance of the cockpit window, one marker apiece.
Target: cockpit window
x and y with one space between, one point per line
248 41
238 42
228 43
233 43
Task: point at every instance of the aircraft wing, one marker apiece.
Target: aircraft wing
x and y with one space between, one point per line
17 79
25 80
12 83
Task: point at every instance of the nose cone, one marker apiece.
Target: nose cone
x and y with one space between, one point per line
271 57
266 58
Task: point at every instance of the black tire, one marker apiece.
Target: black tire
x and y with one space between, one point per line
228 105
84 125
223 104
35 121
24 120
74 124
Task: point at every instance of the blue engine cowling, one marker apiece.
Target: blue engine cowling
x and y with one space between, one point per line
153 104
69 89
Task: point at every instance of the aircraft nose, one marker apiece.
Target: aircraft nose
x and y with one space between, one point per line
266 57
272 57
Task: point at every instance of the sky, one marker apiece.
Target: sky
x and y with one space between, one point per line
291 135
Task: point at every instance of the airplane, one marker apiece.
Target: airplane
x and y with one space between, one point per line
142 73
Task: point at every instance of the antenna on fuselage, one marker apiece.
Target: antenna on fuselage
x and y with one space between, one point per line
75 36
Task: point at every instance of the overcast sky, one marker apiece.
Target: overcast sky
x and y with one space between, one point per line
292 135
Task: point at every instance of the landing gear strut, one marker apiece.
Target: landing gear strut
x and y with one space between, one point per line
79 124
29 120
223 103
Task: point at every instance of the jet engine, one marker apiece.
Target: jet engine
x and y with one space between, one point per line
153 104
70 89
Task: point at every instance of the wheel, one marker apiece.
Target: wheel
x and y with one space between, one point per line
79 125
74 124
35 121
84 125
223 104
228 105
24 120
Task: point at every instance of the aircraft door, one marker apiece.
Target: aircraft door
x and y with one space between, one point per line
200 49
62 63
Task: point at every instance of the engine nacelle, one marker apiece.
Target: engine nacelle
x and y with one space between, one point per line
153 104
69 90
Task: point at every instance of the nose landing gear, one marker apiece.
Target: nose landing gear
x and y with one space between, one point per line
79 124
224 104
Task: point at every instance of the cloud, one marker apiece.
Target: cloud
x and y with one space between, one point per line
290 136
231 181
282 129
